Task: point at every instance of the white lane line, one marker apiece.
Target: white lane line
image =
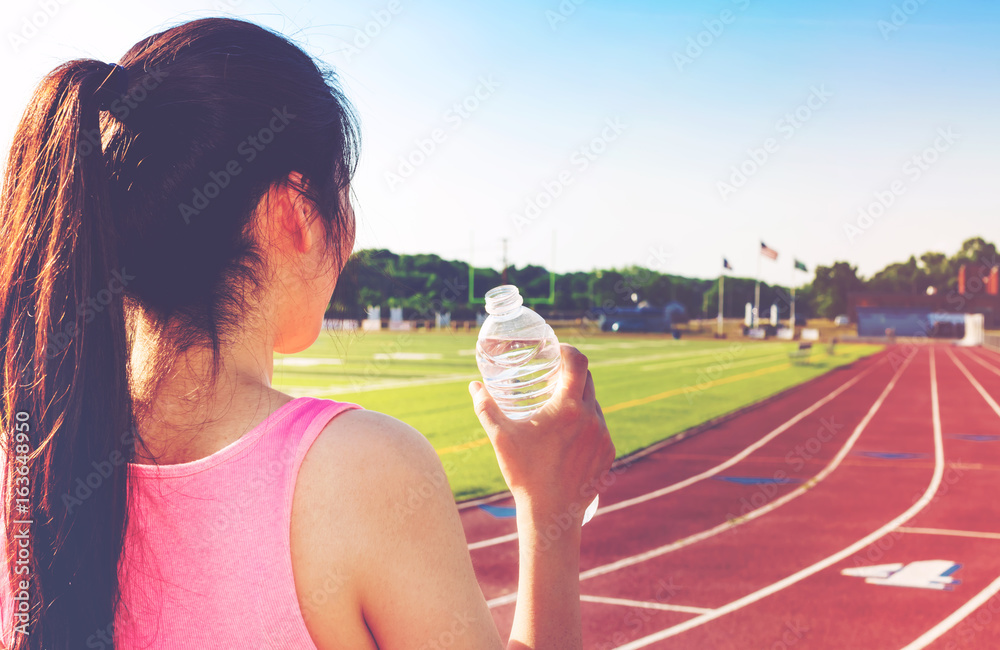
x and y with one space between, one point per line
989 351
982 362
754 514
680 485
949 532
645 604
760 594
738 457
933 634
956 617
493 541
975 384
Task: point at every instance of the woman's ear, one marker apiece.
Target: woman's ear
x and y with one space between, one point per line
296 212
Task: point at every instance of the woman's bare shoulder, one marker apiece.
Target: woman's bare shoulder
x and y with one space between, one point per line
350 508
381 509
368 443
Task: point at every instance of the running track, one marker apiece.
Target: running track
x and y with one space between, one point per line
736 538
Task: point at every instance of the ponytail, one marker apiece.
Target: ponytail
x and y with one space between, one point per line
66 411
97 241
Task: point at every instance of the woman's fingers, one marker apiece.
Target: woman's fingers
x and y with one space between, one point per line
489 414
574 373
589 391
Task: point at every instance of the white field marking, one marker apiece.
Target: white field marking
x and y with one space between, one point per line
584 347
306 361
726 364
949 532
342 389
656 357
628 345
975 384
750 516
645 604
642 498
933 634
376 384
956 617
407 356
773 588
337 390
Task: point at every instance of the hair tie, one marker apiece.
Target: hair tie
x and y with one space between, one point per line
115 85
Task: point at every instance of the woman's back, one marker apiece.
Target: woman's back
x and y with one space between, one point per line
207 560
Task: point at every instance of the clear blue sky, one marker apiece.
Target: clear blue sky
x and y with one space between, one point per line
549 85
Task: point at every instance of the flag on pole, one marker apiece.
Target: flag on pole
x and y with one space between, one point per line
799 266
725 264
768 252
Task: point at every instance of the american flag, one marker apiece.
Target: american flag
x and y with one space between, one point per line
768 252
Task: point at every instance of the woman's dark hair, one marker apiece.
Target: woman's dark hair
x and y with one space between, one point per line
140 202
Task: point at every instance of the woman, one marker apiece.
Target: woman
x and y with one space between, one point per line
167 225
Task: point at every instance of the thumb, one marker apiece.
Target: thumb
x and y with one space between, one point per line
487 411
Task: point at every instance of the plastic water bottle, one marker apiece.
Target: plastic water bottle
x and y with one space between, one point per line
518 356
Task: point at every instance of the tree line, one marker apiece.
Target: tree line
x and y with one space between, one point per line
426 283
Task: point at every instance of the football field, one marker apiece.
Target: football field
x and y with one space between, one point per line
650 387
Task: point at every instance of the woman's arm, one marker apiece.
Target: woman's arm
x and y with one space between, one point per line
553 464
377 502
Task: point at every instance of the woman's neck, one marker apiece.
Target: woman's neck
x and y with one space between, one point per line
182 414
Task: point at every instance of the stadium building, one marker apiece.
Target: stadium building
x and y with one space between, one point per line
933 314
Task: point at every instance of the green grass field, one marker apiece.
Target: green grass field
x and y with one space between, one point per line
649 387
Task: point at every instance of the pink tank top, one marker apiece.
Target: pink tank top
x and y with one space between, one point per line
207 560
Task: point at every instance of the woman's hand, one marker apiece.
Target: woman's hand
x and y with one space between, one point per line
554 462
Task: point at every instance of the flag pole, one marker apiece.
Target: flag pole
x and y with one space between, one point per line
722 289
792 288
756 300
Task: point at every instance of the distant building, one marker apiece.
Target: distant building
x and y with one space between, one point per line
920 314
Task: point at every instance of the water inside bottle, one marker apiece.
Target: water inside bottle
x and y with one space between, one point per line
520 374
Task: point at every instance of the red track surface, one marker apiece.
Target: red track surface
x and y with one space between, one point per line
893 460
